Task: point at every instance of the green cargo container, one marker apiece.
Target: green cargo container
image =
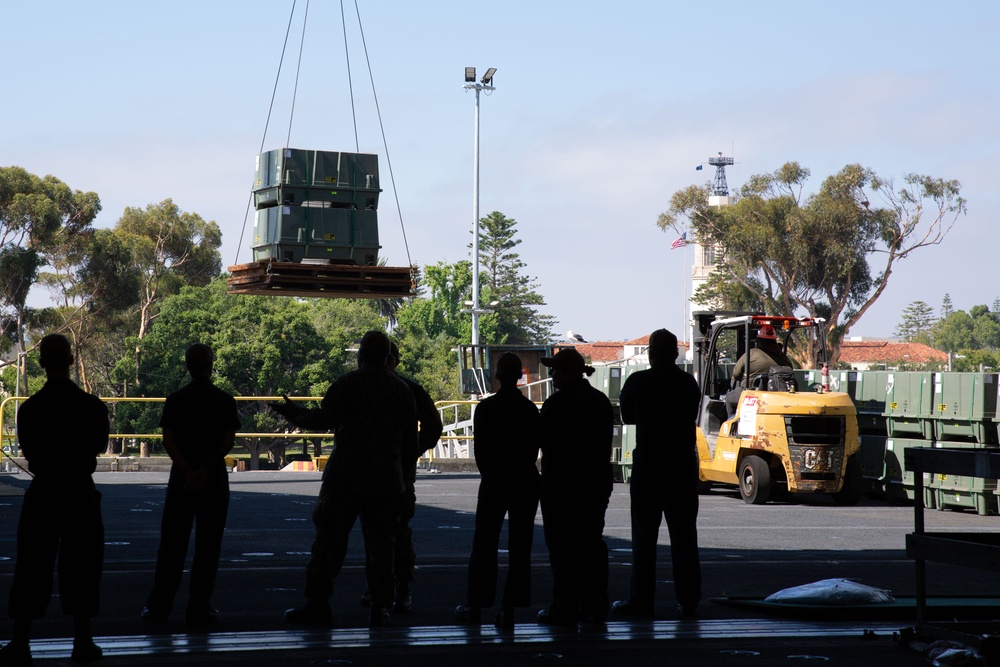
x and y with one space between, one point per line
869 394
898 480
802 378
294 233
628 447
909 408
617 455
872 456
845 381
292 176
613 381
965 406
812 380
959 491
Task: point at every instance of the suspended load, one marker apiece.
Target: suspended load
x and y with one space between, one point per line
316 229
316 205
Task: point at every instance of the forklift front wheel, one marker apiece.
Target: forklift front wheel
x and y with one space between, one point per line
755 480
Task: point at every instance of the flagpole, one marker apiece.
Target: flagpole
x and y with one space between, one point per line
684 300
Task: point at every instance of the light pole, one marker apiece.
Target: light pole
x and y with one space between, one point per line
486 83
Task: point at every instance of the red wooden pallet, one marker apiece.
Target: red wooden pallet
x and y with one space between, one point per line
331 281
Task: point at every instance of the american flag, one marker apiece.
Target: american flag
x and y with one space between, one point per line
680 242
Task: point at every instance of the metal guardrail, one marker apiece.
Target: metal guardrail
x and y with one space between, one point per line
446 451
156 436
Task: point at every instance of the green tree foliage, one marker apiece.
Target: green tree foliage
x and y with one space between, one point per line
828 254
264 346
430 328
970 361
169 249
37 215
917 323
516 320
448 286
94 283
962 333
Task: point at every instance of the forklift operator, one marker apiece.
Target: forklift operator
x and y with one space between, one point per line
765 354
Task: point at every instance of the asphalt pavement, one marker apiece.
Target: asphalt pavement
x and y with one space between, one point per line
747 552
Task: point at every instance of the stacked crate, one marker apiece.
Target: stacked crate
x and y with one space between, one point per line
908 413
963 417
317 206
868 389
609 380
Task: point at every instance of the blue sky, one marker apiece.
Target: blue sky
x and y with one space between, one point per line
602 111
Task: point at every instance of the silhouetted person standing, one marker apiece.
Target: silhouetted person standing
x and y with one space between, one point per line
506 449
199 429
431 427
373 415
663 404
576 428
62 430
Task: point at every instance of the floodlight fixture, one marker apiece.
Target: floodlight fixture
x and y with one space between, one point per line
488 77
470 74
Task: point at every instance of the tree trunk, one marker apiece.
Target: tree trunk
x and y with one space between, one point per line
254 447
276 454
143 324
22 359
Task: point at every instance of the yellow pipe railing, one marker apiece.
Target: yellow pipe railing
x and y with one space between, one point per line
153 436
5 436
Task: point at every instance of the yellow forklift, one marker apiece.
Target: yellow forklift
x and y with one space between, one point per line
782 438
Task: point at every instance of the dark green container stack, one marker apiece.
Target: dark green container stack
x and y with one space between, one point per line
964 412
316 205
965 407
804 379
871 392
908 411
868 390
609 380
899 480
909 405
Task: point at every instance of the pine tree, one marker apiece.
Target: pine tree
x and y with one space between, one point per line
517 319
918 319
946 307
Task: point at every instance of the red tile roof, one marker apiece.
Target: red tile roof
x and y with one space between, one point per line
602 351
857 352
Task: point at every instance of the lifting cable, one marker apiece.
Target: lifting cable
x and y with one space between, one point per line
378 111
267 123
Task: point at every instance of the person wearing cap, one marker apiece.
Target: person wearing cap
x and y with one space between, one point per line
62 431
199 429
373 416
405 556
663 403
506 449
576 425
765 353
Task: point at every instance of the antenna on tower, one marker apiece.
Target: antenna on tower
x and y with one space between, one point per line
719 186
720 189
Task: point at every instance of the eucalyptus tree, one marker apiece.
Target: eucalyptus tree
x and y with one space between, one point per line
37 215
828 254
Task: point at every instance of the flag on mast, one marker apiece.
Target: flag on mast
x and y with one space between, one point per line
680 242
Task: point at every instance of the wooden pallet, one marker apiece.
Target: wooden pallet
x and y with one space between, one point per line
330 281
